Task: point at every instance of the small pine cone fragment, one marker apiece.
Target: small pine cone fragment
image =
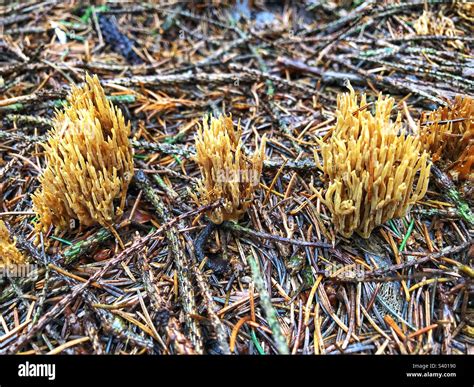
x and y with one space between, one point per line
118 42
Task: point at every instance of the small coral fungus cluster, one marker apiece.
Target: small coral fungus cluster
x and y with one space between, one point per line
448 134
465 9
227 173
376 170
89 162
430 23
9 253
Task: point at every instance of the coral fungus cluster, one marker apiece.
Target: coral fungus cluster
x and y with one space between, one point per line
9 254
448 134
227 173
465 9
372 165
89 162
430 23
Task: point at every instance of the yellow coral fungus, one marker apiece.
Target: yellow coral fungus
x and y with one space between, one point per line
430 23
9 253
465 9
371 164
448 133
227 173
89 162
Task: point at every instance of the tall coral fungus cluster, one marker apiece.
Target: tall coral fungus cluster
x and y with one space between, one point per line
89 162
9 254
227 173
372 165
448 134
